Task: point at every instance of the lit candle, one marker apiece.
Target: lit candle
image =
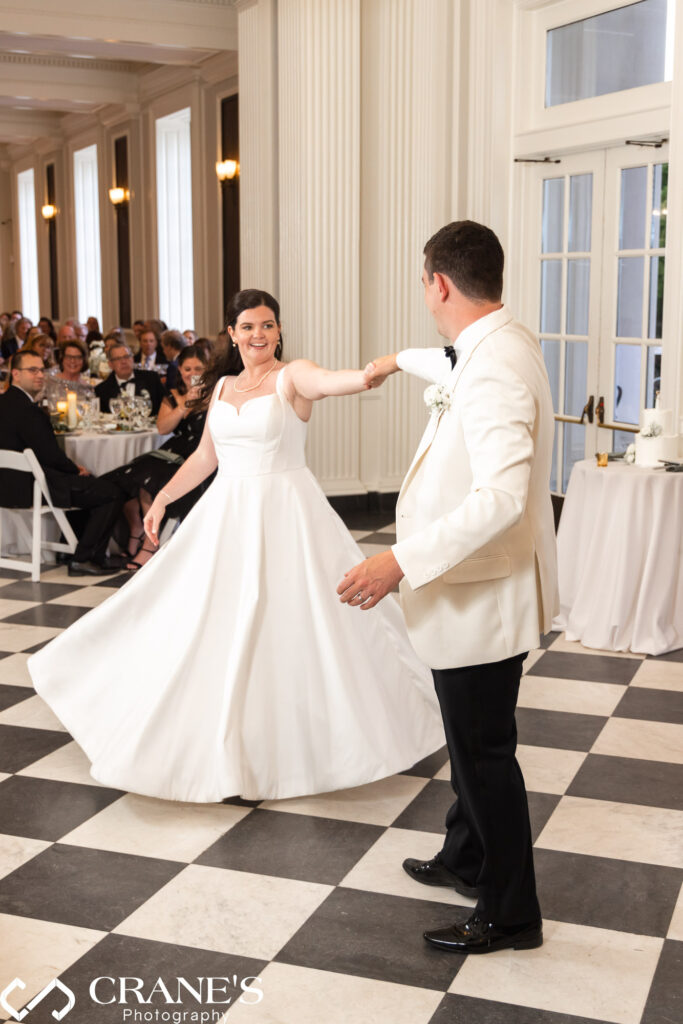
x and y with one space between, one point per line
61 409
71 410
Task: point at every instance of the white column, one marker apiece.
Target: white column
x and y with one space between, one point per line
409 177
319 178
257 56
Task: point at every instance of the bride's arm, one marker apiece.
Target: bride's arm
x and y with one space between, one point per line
313 382
193 471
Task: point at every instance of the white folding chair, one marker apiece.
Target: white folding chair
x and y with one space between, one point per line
26 462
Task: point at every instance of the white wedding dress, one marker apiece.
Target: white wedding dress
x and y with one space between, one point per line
227 665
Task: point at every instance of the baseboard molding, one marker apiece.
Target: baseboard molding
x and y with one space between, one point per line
372 502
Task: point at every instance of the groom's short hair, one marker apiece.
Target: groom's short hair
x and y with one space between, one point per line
471 256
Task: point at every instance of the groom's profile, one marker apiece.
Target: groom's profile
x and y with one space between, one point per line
475 559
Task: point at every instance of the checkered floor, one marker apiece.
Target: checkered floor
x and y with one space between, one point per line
308 895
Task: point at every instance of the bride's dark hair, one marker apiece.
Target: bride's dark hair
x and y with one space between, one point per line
229 362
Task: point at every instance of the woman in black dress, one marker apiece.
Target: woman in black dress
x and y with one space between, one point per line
145 476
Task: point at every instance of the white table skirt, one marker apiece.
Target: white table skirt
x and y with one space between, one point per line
620 558
102 452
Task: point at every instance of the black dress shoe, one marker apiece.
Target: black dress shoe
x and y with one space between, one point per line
90 569
479 936
433 872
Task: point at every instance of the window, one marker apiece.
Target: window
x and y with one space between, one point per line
620 49
87 218
174 219
26 198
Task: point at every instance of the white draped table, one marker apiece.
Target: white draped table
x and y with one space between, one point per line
620 558
101 452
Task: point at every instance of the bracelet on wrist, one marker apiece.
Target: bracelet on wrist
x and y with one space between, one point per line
168 496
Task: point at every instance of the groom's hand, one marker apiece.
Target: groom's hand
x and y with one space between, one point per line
366 584
379 369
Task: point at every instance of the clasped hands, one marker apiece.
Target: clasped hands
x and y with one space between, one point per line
367 583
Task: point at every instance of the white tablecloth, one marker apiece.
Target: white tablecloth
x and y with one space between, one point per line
101 452
620 558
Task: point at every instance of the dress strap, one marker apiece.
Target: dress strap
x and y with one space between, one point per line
216 391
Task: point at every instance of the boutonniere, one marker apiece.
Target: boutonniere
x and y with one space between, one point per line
437 398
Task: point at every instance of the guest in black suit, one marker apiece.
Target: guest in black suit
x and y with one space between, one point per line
24 425
125 379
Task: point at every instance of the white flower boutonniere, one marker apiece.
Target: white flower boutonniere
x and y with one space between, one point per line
630 454
437 398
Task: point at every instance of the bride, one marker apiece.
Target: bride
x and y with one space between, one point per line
227 665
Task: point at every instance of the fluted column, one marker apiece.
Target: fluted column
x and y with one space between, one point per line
257 45
409 179
319 181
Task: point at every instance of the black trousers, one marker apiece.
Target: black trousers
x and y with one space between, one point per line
104 500
488 838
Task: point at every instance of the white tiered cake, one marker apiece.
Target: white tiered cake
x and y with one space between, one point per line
656 440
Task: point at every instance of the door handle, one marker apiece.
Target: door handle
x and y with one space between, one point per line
600 410
588 410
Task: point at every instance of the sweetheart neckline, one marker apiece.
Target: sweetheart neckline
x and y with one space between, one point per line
222 401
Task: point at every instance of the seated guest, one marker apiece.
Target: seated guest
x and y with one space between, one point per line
43 346
92 324
65 333
24 425
191 336
92 337
72 374
145 476
172 344
138 328
14 336
47 327
207 347
149 355
125 379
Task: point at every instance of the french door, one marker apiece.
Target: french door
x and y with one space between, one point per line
594 283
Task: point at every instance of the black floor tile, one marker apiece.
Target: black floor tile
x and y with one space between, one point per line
386 539
113 581
560 729
548 638
376 936
629 780
665 1002
54 615
26 590
5 654
11 695
430 765
370 521
651 705
606 893
37 647
88 888
467 1010
596 668
541 806
299 846
20 747
427 811
669 656
120 956
45 809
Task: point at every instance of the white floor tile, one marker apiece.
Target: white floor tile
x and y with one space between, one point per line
377 803
650 741
657 675
13 671
66 764
676 926
574 647
573 695
586 972
531 659
547 769
379 870
227 911
38 951
156 828
359 534
85 597
602 828
20 638
301 995
9 607
33 714
16 850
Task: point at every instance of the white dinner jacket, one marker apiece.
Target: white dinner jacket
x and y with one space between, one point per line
474 519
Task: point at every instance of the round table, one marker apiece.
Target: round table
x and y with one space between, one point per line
620 558
101 452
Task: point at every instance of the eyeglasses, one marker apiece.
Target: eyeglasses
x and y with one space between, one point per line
31 369
119 359
73 359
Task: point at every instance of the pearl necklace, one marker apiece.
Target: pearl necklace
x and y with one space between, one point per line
253 387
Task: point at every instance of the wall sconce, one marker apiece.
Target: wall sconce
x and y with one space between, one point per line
49 211
118 196
227 170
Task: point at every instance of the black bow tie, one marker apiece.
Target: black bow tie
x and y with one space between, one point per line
450 352
124 383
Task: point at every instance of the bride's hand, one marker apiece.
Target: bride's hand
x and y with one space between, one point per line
152 520
379 369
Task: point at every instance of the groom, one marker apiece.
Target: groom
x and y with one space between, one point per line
475 558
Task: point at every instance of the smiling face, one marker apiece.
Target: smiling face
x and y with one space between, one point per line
256 333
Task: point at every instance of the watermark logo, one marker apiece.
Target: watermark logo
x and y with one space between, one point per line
20 1014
